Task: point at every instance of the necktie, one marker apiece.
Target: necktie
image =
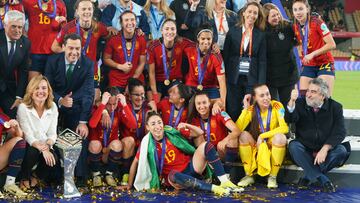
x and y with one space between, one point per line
69 71
12 51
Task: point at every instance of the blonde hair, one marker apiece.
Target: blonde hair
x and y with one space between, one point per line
209 8
32 86
163 7
260 21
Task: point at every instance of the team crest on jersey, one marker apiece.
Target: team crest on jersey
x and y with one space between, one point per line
277 106
324 29
225 115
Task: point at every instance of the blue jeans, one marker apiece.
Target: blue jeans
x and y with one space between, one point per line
303 157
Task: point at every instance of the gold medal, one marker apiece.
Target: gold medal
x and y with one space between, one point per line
44 7
6 124
200 87
167 82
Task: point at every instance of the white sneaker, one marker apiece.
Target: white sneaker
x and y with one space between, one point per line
272 182
246 181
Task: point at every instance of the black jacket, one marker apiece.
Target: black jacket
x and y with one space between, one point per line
81 84
314 130
281 62
257 72
14 77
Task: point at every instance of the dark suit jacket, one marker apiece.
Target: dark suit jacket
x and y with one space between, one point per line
316 129
199 17
257 72
14 76
81 85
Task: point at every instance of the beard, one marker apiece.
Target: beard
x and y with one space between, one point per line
313 103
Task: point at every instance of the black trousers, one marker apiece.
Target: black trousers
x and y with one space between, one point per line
6 101
33 157
234 99
281 93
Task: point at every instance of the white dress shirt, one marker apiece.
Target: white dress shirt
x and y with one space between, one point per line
37 128
9 44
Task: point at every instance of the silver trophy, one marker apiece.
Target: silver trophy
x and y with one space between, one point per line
69 144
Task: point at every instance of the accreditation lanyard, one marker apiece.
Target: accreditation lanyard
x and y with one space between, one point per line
221 26
51 15
1 21
139 130
157 24
167 69
267 120
208 128
202 70
107 131
178 117
132 49
304 37
160 163
87 43
243 43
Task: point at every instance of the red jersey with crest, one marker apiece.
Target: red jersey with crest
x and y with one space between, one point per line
174 158
156 57
115 50
140 124
5 8
214 68
122 117
98 31
42 28
164 107
317 31
218 129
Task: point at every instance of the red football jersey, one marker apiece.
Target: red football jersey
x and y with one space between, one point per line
42 28
214 68
99 31
318 30
4 118
156 57
122 117
164 107
218 130
140 120
114 48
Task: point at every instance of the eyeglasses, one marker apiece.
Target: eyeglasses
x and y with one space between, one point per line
138 95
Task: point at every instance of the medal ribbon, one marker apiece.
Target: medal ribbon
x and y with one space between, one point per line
141 129
208 128
167 69
2 122
123 44
178 117
51 15
107 131
157 25
1 20
267 120
304 37
201 70
243 43
87 43
160 163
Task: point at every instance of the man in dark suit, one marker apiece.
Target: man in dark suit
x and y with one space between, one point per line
320 130
14 62
71 76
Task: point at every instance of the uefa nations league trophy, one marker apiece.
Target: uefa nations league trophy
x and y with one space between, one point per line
69 144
